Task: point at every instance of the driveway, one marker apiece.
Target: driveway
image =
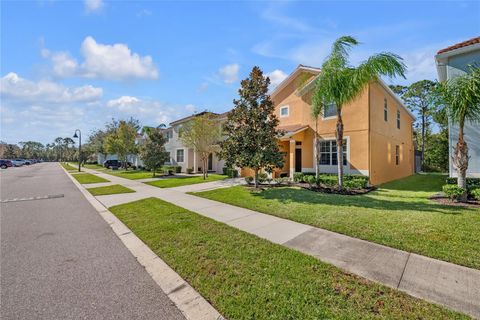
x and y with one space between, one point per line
61 260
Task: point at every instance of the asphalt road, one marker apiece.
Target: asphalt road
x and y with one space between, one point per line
61 260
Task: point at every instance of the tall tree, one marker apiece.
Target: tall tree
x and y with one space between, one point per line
96 140
461 95
340 83
152 151
251 128
31 149
419 97
121 141
203 134
11 151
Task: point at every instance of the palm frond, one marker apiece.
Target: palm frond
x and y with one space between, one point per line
340 52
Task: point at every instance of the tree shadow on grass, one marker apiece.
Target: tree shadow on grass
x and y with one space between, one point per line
293 195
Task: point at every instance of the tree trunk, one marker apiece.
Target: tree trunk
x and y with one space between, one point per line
339 136
423 142
316 149
204 160
256 178
460 161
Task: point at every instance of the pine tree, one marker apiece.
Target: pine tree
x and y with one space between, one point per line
251 128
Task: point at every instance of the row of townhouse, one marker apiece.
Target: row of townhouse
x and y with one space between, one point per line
378 134
378 128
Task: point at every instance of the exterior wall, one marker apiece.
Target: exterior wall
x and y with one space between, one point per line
384 136
457 65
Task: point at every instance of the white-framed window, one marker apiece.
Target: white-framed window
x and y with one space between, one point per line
385 110
398 119
328 152
330 111
284 111
397 155
180 155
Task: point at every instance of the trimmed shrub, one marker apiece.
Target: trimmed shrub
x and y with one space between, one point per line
262 177
354 184
471 182
178 169
311 180
249 180
453 191
189 170
298 177
230 172
475 193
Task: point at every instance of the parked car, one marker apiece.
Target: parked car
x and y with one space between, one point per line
18 162
112 163
28 162
4 164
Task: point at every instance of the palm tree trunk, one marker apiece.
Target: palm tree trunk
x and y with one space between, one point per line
460 160
339 136
316 149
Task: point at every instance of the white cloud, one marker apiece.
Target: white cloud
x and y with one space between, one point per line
420 64
93 5
229 73
124 103
111 62
276 77
16 88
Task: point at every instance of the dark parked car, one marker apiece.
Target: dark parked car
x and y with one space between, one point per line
4 164
112 163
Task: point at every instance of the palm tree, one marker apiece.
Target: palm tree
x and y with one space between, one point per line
462 98
340 83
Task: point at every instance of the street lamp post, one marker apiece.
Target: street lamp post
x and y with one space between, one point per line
79 136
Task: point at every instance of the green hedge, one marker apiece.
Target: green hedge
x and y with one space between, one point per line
471 182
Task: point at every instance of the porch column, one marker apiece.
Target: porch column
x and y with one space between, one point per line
195 161
291 154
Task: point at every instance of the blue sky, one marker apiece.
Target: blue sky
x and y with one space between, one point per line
77 64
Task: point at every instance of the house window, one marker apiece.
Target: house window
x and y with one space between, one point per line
168 135
180 155
330 110
398 119
328 153
385 110
397 155
284 111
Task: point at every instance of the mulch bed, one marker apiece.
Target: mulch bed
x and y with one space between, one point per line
440 198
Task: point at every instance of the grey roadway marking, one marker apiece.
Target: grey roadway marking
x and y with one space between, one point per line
54 196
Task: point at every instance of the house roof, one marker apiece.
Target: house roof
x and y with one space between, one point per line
300 68
192 116
459 45
291 130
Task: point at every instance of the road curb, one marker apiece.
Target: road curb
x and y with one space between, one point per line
192 305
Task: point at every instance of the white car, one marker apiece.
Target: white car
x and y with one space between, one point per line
18 162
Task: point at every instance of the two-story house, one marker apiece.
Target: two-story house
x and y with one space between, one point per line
185 157
378 131
452 62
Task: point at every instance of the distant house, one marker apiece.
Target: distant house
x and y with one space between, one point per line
378 136
132 158
452 62
185 157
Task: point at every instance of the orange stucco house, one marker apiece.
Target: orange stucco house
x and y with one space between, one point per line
377 130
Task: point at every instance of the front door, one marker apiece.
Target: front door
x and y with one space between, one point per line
298 160
210 162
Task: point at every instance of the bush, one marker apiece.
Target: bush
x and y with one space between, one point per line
475 193
471 182
453 191
189 170
230 172
311 180
354 184
249 180
327 180
178 169
298 177
262 177
168 170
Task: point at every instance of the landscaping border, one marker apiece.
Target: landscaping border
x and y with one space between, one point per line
192 305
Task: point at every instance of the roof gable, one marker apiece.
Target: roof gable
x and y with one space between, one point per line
292 76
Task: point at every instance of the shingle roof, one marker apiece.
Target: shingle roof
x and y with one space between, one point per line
460 45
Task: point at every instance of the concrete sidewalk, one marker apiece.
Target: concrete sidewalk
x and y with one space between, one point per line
445 283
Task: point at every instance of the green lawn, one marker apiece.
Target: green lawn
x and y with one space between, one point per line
397 215
113 189
68 167
85 178
132 174
183 181
246 277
